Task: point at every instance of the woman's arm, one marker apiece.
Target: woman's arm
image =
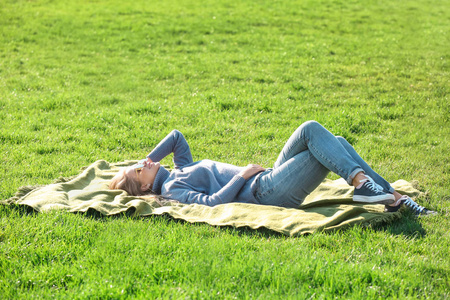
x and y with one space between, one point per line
184 193
174 143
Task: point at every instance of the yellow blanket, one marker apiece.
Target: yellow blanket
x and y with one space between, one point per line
329 207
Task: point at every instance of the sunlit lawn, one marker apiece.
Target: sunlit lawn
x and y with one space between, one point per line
88 80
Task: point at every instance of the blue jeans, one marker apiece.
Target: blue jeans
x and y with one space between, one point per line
306 159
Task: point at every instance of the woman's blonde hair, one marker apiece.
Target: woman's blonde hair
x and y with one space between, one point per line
133 188
129 185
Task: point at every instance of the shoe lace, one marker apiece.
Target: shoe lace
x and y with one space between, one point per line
416 208
372 185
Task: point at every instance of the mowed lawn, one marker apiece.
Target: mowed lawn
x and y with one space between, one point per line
87 80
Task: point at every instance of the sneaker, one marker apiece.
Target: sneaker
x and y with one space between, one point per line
371 192
416 208
394 206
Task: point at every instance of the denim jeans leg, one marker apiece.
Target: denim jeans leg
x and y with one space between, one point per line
290 183
324 146
367 169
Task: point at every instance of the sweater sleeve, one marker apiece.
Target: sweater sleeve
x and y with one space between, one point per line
174 143
228 193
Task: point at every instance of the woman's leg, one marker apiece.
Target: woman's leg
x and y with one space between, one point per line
307 157
290 183
367 169
324 146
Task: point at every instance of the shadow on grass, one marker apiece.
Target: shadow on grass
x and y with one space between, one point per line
407 225
19 209
241 231
91 213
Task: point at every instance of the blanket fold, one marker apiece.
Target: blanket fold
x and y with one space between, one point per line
329 207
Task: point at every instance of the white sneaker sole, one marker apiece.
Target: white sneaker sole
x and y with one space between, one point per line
382 199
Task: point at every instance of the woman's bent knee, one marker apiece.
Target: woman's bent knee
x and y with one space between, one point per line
342 140
311 123
311 126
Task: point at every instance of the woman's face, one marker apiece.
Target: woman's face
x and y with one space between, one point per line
145 176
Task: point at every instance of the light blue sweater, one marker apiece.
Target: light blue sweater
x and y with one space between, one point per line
204 182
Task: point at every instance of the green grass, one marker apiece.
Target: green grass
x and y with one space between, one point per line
88 80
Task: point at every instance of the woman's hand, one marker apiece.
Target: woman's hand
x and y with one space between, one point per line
250 171
145 161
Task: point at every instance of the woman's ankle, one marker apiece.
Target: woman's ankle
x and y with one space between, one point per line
397 195
361 176
397 201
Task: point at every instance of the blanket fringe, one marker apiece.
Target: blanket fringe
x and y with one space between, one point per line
385 219
21 192
26 189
